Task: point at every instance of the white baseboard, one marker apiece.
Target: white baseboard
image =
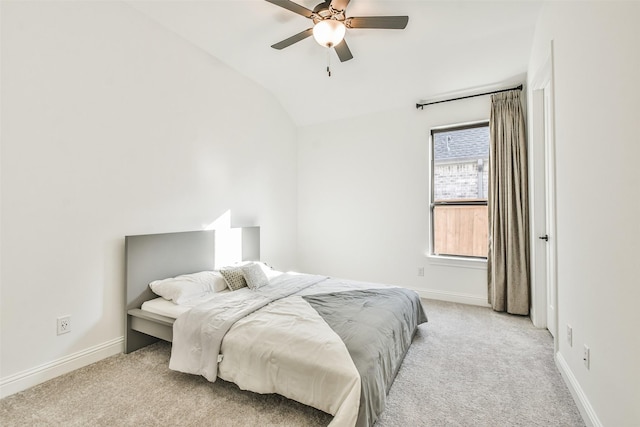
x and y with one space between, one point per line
453 297
584 406
31 377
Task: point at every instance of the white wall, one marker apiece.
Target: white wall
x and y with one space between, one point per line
597 64
113 126
364 200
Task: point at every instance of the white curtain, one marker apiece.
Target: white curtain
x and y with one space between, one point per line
508 201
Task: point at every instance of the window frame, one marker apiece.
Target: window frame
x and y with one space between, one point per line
450 259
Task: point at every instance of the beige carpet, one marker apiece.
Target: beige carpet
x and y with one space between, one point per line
468 366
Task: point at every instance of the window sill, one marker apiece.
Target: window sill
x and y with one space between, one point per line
458 262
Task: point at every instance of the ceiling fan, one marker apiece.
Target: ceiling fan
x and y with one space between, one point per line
330 24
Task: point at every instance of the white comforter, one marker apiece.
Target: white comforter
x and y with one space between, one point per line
282 347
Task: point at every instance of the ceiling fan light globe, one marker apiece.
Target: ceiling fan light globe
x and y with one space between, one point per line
329 32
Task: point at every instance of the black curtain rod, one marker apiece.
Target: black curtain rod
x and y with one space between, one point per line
421 106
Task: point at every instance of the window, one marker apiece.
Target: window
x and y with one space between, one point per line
459 187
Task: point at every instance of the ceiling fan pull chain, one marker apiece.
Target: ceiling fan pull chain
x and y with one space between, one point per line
328 62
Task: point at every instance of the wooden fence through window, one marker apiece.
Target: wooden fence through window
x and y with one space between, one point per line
460 230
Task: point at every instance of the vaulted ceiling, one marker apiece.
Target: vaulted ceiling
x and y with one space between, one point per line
447 47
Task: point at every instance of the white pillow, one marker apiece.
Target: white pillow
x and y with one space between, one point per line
183 288
269 271
219 283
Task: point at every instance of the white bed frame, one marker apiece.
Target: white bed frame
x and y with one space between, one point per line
158 256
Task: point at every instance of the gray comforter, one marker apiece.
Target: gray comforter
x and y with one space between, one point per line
377 327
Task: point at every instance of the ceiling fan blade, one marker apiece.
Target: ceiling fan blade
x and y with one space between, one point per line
293 39
339 5
293 7
384 22
343 51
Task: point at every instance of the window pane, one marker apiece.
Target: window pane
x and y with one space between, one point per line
460 183
460 230
461 164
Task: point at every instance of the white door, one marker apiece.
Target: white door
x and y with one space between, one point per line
550 208
544 262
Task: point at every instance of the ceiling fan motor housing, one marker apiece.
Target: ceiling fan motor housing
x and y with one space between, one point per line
325 11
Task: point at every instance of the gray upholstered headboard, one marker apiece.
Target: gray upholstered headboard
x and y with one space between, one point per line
158 256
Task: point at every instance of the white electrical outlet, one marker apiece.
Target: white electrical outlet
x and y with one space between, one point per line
64 325
570 335
587 356
421 271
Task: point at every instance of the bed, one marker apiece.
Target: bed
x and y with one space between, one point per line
329 343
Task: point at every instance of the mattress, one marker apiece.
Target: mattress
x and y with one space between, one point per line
167 308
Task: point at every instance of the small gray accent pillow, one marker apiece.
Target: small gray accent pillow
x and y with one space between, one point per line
234 277
254 276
